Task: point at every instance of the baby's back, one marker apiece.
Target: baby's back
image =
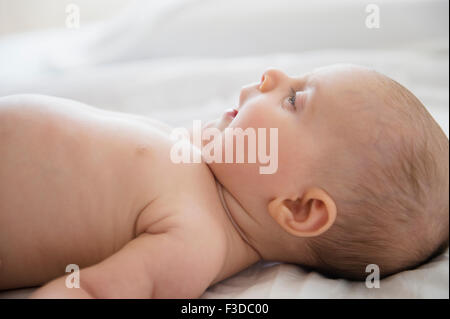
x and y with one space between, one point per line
73 182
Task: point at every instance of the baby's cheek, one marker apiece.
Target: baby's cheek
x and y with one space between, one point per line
255 116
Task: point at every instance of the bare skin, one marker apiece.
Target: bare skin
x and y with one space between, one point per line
97 189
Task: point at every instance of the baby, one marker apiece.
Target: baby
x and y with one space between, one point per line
362 178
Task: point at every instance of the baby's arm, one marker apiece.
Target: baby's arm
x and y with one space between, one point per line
150 266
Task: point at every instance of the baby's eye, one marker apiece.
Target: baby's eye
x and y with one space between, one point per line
290 100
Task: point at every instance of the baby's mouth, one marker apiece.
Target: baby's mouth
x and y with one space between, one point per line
232 112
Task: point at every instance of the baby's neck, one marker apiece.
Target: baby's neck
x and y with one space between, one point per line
240 253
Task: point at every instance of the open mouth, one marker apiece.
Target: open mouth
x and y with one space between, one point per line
231 112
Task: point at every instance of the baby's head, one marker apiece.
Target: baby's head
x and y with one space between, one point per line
363 173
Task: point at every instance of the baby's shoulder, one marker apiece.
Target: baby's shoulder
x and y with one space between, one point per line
186 199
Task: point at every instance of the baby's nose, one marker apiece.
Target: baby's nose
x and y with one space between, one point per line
274 73
270 79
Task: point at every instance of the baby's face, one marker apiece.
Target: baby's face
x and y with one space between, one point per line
315 114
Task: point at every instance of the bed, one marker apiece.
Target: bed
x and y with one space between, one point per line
171 50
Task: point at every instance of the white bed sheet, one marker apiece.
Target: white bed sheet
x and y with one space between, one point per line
180 90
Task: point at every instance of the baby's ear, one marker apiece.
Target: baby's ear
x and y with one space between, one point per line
307 216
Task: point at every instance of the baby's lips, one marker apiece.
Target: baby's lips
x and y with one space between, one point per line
226 118
231 112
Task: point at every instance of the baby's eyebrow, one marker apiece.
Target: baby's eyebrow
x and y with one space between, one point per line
307 84
304 81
